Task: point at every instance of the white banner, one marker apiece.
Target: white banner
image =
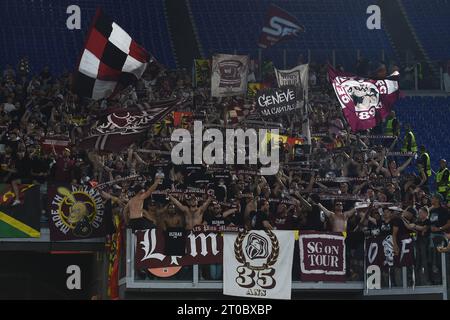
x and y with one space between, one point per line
258 264
297 77
229 75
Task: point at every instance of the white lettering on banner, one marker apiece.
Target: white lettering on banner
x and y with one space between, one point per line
404 250
323 261
318 255
204 247
266 101
342 94
150 240
372 252
149 246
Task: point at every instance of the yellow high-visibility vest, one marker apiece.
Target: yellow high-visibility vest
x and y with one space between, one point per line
413 145
442 185
427 164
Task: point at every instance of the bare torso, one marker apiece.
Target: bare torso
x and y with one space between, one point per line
338 222
173 220
193 218
136 207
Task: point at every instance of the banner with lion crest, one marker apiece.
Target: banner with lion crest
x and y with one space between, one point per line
258 264
76 212
365 102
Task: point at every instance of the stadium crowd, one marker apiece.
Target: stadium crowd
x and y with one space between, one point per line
343 182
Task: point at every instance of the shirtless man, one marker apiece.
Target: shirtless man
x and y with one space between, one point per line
136 216
173 218
193 213
338 218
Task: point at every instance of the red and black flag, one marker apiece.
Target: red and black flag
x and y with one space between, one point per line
279 25
23 220
120 128
111 60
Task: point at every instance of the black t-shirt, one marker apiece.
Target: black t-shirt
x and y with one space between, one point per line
257 218
398 222
385 229
39 165
23 167
373 229
422 236
175 242
288 222
313 221
439 217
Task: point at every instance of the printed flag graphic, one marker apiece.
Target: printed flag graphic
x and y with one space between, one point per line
365 102
279 25
23 220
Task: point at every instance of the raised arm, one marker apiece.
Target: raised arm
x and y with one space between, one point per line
178 204
230 212
349 213
152 189
327 212
205 205
305 203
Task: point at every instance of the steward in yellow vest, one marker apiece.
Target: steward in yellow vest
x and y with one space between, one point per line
409 142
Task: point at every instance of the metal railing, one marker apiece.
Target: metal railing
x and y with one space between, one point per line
190 279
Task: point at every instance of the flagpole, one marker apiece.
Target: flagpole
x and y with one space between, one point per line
260 63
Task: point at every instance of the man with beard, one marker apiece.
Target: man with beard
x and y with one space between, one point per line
217 217
338 218
173 218
193 213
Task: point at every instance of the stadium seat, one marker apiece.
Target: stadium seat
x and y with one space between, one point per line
38 28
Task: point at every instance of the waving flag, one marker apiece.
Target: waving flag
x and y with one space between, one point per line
365 102
23 220
279 25
110 60
120 128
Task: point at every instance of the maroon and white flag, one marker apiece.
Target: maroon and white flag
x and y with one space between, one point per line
365 102
120 128
322 256
279 25
379 251
110 60
157 249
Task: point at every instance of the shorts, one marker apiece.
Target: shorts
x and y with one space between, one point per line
140 224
